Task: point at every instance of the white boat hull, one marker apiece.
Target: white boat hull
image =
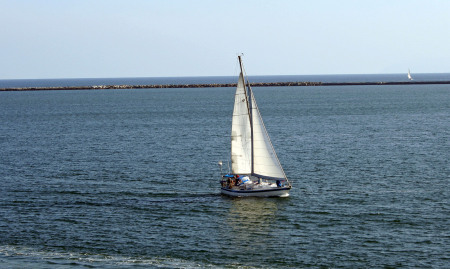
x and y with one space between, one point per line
266 192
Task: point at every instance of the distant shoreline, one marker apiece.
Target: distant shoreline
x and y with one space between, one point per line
220 85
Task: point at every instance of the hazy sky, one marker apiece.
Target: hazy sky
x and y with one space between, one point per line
145 38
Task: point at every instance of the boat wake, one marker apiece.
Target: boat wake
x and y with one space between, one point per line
20 257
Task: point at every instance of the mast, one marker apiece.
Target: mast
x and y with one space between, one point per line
251 127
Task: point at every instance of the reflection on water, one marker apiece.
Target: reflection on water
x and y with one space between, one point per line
250 222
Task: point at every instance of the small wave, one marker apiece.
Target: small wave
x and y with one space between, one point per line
182 198
42 258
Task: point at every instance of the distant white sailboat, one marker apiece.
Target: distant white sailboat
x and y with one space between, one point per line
255 168
409 75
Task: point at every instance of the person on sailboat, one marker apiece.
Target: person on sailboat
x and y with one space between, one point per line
229 183
237 180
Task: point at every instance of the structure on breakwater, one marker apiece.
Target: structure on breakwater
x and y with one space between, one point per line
256 84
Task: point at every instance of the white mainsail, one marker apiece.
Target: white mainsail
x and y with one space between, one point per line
409 75
251 149
240 132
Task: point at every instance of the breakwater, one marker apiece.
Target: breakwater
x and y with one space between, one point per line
214 85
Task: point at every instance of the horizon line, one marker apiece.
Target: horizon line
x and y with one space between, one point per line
128 77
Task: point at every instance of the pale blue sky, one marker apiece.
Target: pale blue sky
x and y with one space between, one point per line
145 38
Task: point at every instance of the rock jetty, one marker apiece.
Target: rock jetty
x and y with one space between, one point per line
214 85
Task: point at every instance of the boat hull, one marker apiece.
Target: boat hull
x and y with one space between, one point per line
270 192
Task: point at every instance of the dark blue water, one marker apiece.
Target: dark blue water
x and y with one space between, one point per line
17 83
129 179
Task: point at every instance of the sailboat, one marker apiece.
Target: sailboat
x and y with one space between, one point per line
409 75
255 168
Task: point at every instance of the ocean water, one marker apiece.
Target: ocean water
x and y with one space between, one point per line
129 179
